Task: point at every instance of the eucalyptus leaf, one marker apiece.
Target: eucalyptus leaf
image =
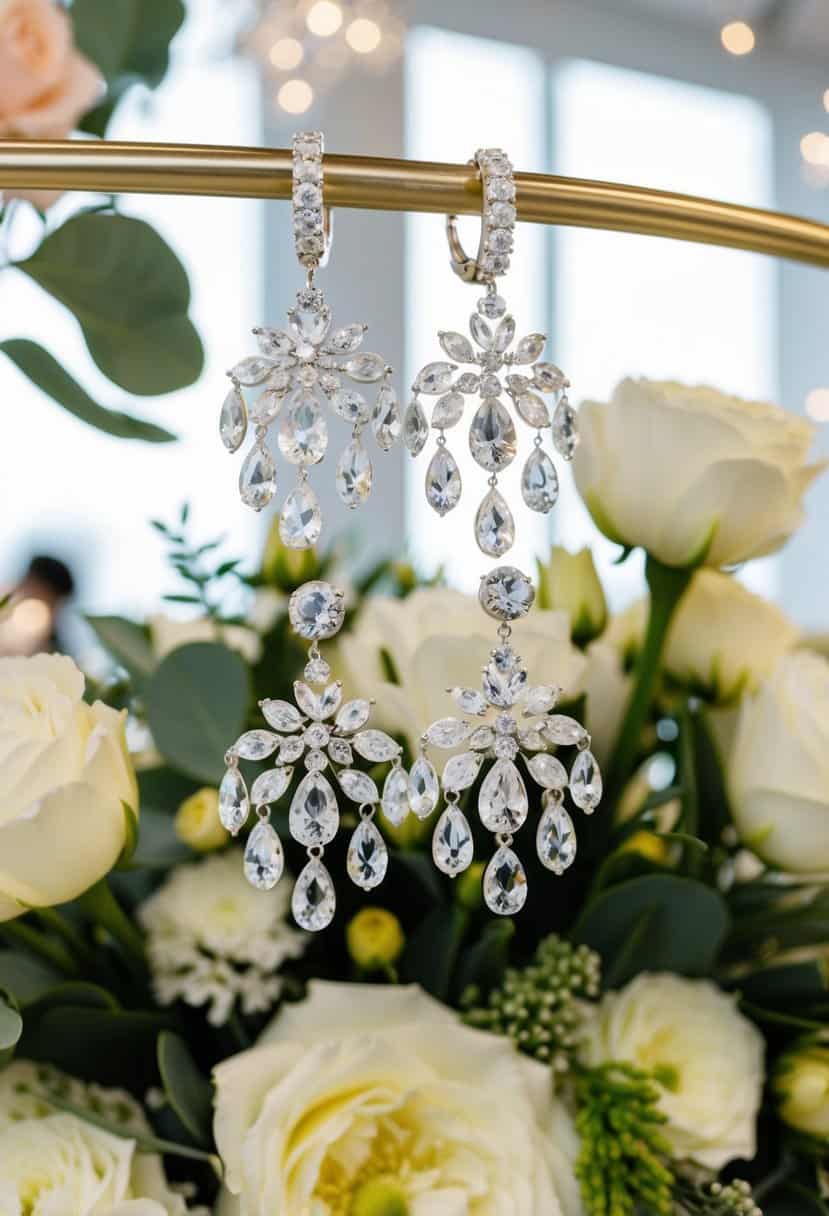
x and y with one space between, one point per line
432 949
158 847
189 1093
51 378
25 977
483 964
127 642
11 1024
108 1046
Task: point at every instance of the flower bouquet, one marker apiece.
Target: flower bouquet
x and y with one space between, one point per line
647 1035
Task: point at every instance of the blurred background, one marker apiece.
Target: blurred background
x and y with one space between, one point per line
721 98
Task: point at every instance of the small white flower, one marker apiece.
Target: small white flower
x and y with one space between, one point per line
213 939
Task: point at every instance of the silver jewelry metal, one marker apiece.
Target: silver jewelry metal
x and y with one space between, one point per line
301 368
536 391
324 732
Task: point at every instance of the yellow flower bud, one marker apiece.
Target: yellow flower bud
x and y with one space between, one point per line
647 845
569 583
374 938
468 887
380 1197
197 821
802 1085
287 568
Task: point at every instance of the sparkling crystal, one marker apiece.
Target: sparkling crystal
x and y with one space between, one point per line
533 410
457 347
506 594
495 263
518 384
314 901
311 322
492 439
586 782
291 749
555 839
494 525
317 735
318 705
505 747
502 799
396 796
548 771
266 407
448 410
314 815
490 385
340 752
257 478
308 170
539 482
385 419
316 670
504 334
497 161
281 715
480 331
303 434
434 378
368 858
467 382
357 786
505 883
504 678
316 610
274 341
529 348
271 785
253 370
354 474
565 433
308 195
460 771
500 189
492 306
300 521
376 745
531 740
264 860
353 715
562 730
423 787
345 341
540 699
415 428
505 724
350 404
315 761
482 738
502 214
256 744
448 732
307 375
443 481
233 422
365 367
234 804
469 699
548 378
452 844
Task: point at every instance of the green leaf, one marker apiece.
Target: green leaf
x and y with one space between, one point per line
130 294
792 984
188 1092
25 977
163 789
432 949
76 993
130 837
127 642
111 1047
686 925
11 1024
158 846
45 372
197 704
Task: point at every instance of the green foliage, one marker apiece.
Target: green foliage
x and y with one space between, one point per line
199 565
186 1089
128 643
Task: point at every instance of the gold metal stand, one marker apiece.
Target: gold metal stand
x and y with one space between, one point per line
399 185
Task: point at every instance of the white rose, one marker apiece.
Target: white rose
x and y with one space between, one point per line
707 1057
64 776
55 1162
569 583
168 634
406 653
691 473
364 1086
779 766
606 688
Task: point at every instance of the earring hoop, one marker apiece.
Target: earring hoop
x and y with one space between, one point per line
312 219
498 216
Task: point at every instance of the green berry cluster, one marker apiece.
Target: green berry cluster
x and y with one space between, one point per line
538 1006
622 1160
717 1199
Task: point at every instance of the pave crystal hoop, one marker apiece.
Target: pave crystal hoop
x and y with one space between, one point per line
497 221
312 220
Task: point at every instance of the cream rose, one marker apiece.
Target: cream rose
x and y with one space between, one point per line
54 1162
801 1082
568 582
65 775
606 688
361 1086
779 766
692 474
706 1055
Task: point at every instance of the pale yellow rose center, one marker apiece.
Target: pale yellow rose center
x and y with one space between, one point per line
392 1148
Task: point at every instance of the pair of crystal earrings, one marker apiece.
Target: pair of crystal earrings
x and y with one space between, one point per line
295 370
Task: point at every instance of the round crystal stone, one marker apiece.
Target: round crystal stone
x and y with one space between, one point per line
316 671
505 748
316 610
317 735
490 385
492 306
506 594
315 762
505 724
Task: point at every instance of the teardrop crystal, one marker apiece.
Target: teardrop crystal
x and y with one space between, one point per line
443 482
314 815
271 785
415 428
492 439
357 786
457 347
539 482
502 799
368 858
529 348
460 771
234 804
303 433
350 405
300 521
505 883
452 844
586 782
365 367
424 789
565 432
533 409
555 839
434 378
257 478
264 858
396 796
548 771
385 419
314 900
448 411
233 422
354 474
494 525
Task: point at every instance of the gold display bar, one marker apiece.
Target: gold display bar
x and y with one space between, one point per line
400 185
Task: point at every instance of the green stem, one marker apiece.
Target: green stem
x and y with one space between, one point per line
18 934
52 919
101 906
667 585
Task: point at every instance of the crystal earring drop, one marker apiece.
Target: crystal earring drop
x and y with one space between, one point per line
329 736
493 745
531 387
298 371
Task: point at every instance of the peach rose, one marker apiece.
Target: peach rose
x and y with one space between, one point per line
46 85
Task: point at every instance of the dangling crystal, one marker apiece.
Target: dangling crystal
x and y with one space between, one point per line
314 815
504 679
365 367
539 482
506 594
385 419
460 771
314 900
316 610
548 771
563 730
457 347
271 785
368 858
434 378
586 782
494 525
452 844
502 800
257 478
529 348
415 428
396 796
533 410
354 474
423 786
300 521
233 801
350 405
233 423
565 433
303 435
505 883
357 786
555 839
443 482
492 439
448 411
264 858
